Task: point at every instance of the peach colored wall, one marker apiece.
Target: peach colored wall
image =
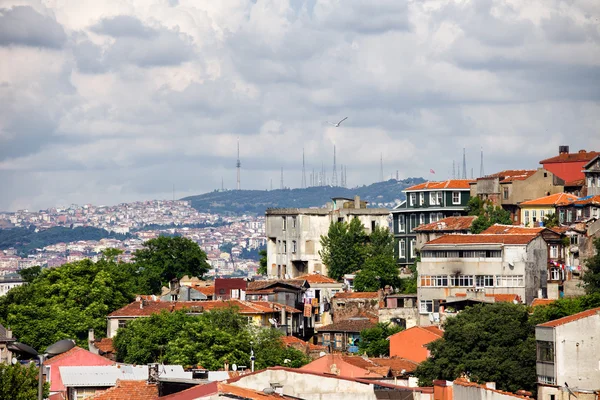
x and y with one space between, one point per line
323 365
410 344
78 358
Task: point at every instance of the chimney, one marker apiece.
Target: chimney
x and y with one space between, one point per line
141 304
8 333
226 366
357 202
91 337
563 149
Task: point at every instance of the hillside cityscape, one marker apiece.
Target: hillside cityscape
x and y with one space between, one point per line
301 200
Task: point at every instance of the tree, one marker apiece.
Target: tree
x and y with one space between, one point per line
343 248
564 307
31 273
19 382
262 269
489 216
374 341
379 268
475 206
163 259
143 340
65 302
270 350
490 343
591 276
551 220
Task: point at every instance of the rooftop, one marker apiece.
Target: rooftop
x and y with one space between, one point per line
571 318
348 325
510 175
552 200
511 239
580 156
130 390
356 295
316 278
448 224
449 184
541 302
498 229
466 383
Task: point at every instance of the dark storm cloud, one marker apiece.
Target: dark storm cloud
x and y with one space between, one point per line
22 25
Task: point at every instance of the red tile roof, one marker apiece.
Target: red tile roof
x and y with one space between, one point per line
130 390
588 200
515 239
348 325
396 364
511 175
505 297
356 295
434 329
582 155
316 278
105 345
541 302
206 290
571 318
498 229
576 182
552 200
293 340
448 224
449 184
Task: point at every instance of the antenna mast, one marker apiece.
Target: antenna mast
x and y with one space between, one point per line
281 178
303 171
334 181
381 168
481 173
464 166
238 164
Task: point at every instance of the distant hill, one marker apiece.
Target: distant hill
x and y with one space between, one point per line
380 194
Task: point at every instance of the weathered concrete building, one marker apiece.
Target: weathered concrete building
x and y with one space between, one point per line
446 226
294 234
483 268
568 355
400 309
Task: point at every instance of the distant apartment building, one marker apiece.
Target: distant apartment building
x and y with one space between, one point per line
507 189
568 357
7 284
426 203
294 234
463 269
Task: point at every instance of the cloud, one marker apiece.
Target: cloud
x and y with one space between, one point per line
24 26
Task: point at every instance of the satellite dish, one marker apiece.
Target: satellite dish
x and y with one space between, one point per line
234 367
272 321
321 354
14 360
18 347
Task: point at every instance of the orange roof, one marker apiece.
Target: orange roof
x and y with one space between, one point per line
505 297
541 302
396 364
511 175
434 329
552 200
356 295
576 182
291 340
316 278
239 392
588 200
219 388
498 229
205 290
571 318
580 156
105 345
130 390
449 184
516 239
449 224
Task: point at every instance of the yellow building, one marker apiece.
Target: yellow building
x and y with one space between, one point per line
534 211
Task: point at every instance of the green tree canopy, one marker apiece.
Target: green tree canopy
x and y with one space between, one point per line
20 382
374 341
343 248
65 302
487 214
379 268
262 269
166 258
490 343
551 220
591 276
564 307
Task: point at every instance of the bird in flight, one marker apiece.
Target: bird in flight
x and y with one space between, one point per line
338 124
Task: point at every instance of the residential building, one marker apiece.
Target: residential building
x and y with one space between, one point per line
343 336
568 350
426 203
294 234
445 226
6 338
347 367
230 288
131 390
221 390
591 171
479 268
464 389
569 166
507 189
534 211
346 305
314 351
8 283
411 343
400 309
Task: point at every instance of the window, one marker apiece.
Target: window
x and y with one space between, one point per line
284 248
84 393
433 217
402 249
425 306
294 246
283 223
574 239
555 274
439 198
373 226
461 280
421 219
594 212
440 216
548 380
413 221
421 198
326 339
401 223
534 216
293 222
122 323
526 219
561 216
545 351
432 198
412 249
509 280
554 251
412 199
455 197
434 280
505 193
339 339
484 280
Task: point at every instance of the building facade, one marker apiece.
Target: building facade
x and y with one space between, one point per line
569 166
426 203
294 234
534 211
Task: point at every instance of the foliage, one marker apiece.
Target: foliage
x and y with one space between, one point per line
164 259
262 269
226 248
343 248
374 341
26 240
379 268
409 285
490 343
199 225
564 307
20 382
31 273
487 214
143 340
551 220
475 206
65 302
591 276
252 254
270 350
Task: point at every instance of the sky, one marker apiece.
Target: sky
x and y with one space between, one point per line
114 101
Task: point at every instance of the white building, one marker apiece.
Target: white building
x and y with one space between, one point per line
7 284
455 269
294 234
568 355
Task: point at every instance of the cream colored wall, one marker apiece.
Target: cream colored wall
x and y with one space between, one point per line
538 209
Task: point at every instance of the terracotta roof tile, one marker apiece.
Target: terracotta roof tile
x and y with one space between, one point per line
72 353
260 285
105 345
541 302
552 200
571 318
571 157
464 382
510 175
498 229
356 295
588 200
206 290
348 325
316 278
293 340
382 370
505 297
448 224
130 390
434 329
449 184
576 182
396 364
239 392
515 239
